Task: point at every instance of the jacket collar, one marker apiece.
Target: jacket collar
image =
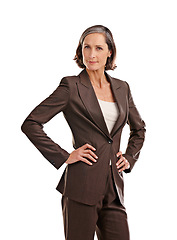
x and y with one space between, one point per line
91 103
85 80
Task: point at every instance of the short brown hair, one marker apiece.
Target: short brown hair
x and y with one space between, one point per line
110 65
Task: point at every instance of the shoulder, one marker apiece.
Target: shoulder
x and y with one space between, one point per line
119 83
69 79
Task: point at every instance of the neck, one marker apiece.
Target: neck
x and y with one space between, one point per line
97 77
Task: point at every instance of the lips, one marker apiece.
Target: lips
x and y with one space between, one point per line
92 62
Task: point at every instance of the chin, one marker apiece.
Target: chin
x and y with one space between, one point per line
93 68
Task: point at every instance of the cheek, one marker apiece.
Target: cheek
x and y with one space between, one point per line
84 55
103 57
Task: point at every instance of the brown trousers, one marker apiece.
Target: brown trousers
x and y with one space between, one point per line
108 218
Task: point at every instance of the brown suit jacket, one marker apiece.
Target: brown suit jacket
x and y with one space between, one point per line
76 98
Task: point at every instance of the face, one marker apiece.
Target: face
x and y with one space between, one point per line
95 51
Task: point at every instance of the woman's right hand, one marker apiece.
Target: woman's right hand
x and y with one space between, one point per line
82 154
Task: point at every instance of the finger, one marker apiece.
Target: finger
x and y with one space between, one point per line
90 157
91 153
126 166
119 154
89 146
121 165
122 169
120 160
86 161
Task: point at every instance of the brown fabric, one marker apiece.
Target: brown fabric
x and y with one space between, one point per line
108 217
76 98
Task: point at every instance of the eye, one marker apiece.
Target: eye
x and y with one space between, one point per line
99 48
86 46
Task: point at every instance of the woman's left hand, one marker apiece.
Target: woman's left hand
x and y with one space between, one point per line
122 163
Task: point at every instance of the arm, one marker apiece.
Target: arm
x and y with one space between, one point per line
137 133
33 124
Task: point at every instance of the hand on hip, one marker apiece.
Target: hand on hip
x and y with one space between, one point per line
122 162
84 154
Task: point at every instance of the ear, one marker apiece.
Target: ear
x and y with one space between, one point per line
109 53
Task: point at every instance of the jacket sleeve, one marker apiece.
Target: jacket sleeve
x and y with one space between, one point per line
33 124
137 133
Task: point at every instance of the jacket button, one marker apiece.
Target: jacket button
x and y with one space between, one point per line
109 141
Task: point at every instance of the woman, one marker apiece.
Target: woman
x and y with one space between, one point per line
96 107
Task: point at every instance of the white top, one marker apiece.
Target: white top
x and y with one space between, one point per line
110 112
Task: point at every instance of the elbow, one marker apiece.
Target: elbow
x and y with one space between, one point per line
24 127
30 127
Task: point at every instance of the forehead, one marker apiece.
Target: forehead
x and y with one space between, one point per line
95 38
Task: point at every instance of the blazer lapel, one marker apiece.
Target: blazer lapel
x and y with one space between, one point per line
90 101
120 98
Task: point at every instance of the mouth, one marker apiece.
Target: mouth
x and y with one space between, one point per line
92 62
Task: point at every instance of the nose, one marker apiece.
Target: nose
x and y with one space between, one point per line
92 54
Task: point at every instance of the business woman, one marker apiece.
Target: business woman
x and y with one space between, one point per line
96 108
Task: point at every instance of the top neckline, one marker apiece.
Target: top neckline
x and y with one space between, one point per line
105 101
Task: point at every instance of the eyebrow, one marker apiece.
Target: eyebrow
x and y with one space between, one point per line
99 45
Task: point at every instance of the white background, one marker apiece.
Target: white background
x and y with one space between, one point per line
37 45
